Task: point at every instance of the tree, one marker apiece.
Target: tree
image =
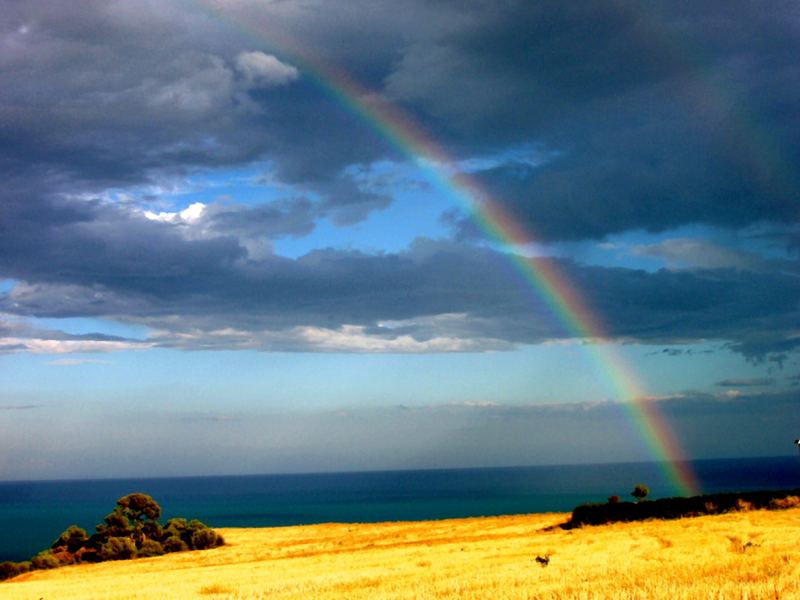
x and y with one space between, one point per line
640 492
135 517
140 510
71 540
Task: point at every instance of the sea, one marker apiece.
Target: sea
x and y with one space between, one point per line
34 513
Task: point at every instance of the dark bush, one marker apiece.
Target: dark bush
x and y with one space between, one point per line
150 548
675 508
117 548
131 530
71 540
12 569
174 544
45 560
206 538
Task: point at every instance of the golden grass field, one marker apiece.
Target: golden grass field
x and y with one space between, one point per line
752 554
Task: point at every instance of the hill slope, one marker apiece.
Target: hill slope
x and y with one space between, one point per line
739 555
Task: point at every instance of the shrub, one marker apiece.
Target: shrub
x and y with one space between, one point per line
72 539
206 538
174 544
787 502
45 560
150 548
12 569
117 548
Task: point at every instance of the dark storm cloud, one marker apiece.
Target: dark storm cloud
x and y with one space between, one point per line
656 117
97 95
650 120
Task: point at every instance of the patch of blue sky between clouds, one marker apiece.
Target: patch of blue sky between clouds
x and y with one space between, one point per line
250 185
86 325
415 211
6 285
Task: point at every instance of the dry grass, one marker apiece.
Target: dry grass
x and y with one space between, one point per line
749 555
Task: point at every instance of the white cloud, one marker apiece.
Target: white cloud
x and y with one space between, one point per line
347 338
351 338
190 214
47 346
264 70
74 362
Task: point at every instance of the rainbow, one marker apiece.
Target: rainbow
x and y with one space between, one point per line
541 275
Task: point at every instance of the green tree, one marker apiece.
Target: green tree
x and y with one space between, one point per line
135 517
640 492
139 508
73 539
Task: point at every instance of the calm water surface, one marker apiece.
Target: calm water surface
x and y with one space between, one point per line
32 514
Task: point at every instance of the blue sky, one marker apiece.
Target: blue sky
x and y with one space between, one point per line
205 249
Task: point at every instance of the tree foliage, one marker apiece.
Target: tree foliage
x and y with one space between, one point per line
131 530
640 492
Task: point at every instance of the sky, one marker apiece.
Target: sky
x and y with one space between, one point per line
246 236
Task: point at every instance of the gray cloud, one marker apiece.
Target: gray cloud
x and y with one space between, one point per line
654 118
637 134
118 95
437 296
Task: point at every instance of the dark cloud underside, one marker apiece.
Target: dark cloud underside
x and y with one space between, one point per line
649 119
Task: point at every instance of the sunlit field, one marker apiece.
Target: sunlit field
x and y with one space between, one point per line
739 555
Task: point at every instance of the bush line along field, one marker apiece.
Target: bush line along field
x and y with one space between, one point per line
749 554
673 508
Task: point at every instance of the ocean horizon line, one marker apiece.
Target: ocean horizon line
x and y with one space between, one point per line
388 470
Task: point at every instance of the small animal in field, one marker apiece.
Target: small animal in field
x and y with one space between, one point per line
543 560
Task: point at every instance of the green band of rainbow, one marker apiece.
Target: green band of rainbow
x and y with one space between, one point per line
540 274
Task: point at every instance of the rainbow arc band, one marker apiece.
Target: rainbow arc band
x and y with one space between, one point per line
540 274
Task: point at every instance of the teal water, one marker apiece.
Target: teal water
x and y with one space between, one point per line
32 514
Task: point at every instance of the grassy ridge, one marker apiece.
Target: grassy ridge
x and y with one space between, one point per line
750 555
